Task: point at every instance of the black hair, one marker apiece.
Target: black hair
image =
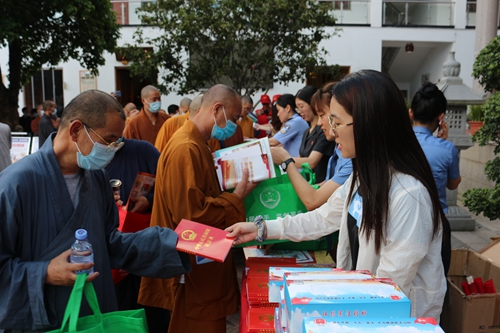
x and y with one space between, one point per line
172 109
275 120
428 103
287 99
384 142
91 107
322 97
306 94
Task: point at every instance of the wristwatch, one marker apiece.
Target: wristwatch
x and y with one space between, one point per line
259 222
285 163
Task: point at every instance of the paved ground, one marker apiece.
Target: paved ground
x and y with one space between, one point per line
476 240
479 238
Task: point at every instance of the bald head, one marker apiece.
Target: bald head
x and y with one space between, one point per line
195 103
219 93
147 90
246 100
185 102
218 105
91 108
129 107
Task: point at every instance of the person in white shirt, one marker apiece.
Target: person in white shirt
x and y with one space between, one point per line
388 211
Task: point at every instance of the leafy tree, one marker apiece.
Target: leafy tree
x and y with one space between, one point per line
486 68
487 71
48 32
247 44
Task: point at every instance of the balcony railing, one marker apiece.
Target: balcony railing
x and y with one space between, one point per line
346 12
357 12
421 13
350 12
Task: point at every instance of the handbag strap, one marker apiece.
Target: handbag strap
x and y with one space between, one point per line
307 170
72 311
76 293
90 295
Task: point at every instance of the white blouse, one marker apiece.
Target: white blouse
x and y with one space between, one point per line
410 255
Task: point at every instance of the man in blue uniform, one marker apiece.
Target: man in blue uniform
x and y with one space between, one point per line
427 112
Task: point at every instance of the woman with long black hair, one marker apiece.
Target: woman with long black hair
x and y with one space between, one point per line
388 211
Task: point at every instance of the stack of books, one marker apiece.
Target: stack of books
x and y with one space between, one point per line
254 155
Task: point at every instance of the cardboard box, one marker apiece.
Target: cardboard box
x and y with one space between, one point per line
492 252
376 325
276 278
349 299
474 313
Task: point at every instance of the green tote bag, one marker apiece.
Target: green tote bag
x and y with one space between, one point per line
131 321
276 197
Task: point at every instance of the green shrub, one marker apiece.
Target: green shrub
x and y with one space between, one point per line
484 200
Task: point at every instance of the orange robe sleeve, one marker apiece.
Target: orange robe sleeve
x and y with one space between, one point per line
167 130
213 144
190 185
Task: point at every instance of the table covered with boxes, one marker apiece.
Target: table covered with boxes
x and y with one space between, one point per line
279 295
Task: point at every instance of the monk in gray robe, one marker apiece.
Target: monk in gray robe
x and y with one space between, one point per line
46 197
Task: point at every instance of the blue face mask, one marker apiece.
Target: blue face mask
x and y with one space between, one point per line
99 156
226 132
154 107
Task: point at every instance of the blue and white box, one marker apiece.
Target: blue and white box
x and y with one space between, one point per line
276 277
375 325
339 299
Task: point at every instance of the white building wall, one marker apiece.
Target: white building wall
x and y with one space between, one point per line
359 47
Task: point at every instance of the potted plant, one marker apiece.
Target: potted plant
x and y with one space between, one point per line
476 118
487 71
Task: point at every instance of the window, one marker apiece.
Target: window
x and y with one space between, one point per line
471 7
320 75
344 5
44 85
338 5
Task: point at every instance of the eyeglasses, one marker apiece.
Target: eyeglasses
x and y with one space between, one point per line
335 127
118 143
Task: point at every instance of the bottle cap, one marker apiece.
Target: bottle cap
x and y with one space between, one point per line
81 234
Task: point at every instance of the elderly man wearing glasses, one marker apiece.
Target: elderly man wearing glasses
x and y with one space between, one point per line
46 197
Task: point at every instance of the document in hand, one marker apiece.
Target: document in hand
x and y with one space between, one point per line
203 240
254 155
143 184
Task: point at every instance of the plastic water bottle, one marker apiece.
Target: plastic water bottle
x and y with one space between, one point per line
81 251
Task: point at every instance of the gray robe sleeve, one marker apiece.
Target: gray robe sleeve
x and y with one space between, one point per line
150 252
21 282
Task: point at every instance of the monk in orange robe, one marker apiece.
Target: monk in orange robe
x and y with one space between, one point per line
147 123
234 140
173 124
187 188
245 121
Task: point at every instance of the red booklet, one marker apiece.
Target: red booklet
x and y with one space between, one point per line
261 320
203 240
